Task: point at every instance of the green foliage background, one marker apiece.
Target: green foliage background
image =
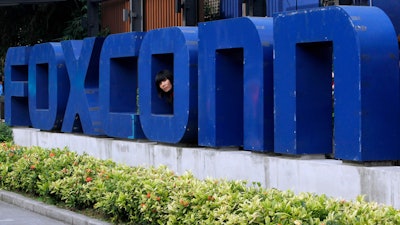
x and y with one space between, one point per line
30 24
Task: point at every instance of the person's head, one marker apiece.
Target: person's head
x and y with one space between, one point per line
164 82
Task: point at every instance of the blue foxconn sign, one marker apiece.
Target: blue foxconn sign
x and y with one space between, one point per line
264 84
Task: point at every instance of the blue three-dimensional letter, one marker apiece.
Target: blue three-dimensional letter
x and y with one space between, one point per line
175 49
48 86
235 83
119 85
359 45
82 60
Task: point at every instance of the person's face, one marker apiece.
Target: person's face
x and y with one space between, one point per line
166 85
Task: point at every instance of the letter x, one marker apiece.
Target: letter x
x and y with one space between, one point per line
82 61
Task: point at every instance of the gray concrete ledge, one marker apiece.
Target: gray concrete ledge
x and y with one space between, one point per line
48 210
379 183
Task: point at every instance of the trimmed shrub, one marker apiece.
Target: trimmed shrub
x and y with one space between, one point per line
6 134
138 195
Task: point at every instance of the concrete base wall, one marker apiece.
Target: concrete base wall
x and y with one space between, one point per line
299 174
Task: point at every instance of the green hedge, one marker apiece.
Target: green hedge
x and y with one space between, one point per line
6 134
137 195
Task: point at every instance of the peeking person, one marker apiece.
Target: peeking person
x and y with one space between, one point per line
164 82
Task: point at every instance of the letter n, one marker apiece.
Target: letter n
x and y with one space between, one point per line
359 44
235 83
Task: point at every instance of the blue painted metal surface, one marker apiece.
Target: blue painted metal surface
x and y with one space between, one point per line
277 6
365 62
48 86
119 85
173 48
16 80
230 8
234 101
392 9
235 83
82 61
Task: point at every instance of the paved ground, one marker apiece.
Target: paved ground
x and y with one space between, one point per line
19 210
14 215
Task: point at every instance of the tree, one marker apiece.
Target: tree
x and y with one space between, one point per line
30 24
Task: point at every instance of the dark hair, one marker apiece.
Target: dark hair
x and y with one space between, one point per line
160 77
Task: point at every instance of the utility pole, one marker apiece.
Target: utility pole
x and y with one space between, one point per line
93 17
